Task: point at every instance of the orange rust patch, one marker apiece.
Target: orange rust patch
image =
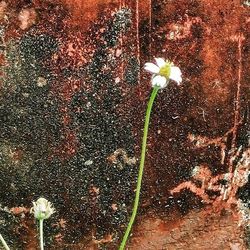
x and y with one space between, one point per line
83 12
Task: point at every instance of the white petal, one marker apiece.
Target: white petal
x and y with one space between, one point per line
175 74
159 81
152 68
160 62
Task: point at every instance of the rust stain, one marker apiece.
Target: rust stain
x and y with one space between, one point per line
84 12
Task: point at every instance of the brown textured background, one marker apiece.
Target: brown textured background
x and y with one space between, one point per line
73 91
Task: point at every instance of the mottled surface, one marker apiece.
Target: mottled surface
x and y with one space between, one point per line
192 232
72 100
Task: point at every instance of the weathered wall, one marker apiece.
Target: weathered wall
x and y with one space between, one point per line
73 92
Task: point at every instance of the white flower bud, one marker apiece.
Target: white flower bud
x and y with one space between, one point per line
42 209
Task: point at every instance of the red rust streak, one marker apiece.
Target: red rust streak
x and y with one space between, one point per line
138 38
237 102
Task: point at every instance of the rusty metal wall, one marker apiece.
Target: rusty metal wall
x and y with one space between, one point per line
73 94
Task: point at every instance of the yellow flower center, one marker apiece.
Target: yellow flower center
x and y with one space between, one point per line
165 70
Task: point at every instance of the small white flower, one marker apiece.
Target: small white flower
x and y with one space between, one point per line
42 209
163 71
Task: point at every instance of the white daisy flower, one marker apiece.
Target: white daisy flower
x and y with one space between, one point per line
42 209
163 71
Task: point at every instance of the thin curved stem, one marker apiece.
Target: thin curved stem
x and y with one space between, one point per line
4 242
139 180
41 234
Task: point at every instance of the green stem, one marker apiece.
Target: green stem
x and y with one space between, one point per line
139 180
4 242
41 234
